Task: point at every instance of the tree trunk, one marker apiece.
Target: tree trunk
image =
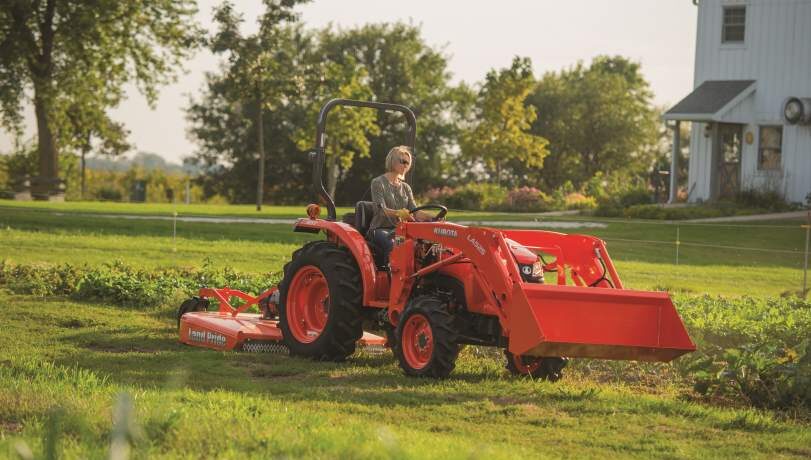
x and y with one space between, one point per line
84 188
332 174
260 182
48 155
498 173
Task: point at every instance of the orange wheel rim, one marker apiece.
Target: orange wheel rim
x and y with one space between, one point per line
307 304
417 341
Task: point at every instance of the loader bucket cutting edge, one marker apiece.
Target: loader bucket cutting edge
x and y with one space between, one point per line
581 322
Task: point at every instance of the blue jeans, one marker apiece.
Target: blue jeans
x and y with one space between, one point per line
383 239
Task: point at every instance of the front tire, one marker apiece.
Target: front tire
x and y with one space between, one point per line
426 339
320 302
538 368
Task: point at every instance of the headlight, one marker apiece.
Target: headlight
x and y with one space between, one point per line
532 273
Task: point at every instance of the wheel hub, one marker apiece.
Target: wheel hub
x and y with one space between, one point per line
308 304
417 341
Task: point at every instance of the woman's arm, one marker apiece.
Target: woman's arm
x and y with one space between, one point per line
419 216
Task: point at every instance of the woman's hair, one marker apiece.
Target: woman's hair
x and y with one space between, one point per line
395 154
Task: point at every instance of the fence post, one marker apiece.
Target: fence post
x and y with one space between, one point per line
807 227
678 243
174 231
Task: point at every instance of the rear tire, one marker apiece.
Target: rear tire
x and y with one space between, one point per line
426 339
192 304
320 302
536 367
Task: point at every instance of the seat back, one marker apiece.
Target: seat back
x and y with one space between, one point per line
364 213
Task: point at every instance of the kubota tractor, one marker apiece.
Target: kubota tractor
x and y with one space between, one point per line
446 285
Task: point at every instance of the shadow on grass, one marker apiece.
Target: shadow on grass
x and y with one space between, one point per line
128 357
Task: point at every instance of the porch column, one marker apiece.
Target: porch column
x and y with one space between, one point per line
674 162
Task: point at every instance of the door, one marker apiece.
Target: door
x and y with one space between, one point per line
728 156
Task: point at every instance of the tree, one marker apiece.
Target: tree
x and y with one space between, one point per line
501 127
88 121
259 67
382 62
82 52
348 128
402 68
228 146
597 119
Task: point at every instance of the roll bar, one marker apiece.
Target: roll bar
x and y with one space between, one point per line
318 155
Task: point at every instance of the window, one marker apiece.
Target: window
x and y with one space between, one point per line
734 27
771 147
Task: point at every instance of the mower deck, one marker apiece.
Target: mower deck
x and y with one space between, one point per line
245 331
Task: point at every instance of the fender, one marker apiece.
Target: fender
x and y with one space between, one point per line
348 236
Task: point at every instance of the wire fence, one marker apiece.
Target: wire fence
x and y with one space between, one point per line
678 243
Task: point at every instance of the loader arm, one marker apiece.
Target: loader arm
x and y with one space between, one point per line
583 320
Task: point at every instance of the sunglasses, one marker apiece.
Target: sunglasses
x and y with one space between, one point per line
403 161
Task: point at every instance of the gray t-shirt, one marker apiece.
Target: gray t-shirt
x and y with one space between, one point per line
389 196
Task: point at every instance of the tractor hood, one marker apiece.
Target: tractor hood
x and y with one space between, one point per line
522 255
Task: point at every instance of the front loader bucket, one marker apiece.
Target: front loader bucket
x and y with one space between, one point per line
582 322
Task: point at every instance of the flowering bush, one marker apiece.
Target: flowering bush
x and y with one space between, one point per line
527 199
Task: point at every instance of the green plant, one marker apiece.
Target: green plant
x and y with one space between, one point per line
755 349
109 194
767 200
122 284
485 197
579 201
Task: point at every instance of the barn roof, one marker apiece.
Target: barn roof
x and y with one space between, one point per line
711 100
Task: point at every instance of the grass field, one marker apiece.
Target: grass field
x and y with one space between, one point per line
645 253
64 364
191 403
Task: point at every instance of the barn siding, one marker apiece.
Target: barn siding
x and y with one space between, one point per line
777 53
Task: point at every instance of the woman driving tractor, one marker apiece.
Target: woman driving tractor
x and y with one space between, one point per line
394 198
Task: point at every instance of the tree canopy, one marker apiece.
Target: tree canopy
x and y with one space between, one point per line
598 119
383 62
501 128
74 57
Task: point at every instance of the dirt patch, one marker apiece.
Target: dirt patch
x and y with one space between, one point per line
71 323
7 426
506 401
277 374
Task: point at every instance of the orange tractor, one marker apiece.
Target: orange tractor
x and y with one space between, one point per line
446 285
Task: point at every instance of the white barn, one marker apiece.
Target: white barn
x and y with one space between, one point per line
751 106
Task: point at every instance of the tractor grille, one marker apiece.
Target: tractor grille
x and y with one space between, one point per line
265 347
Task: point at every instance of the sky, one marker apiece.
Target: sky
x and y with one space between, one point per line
475 35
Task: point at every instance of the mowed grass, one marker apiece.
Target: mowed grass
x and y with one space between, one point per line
760 260
60 357
76 359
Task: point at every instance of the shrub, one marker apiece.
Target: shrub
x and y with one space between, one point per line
476 197
634 197
756 349
109 194
577 200
766 200
123 285
527 199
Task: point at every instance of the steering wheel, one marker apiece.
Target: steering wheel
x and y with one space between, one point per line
442 210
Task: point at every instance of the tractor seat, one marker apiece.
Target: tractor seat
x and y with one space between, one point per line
364 212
